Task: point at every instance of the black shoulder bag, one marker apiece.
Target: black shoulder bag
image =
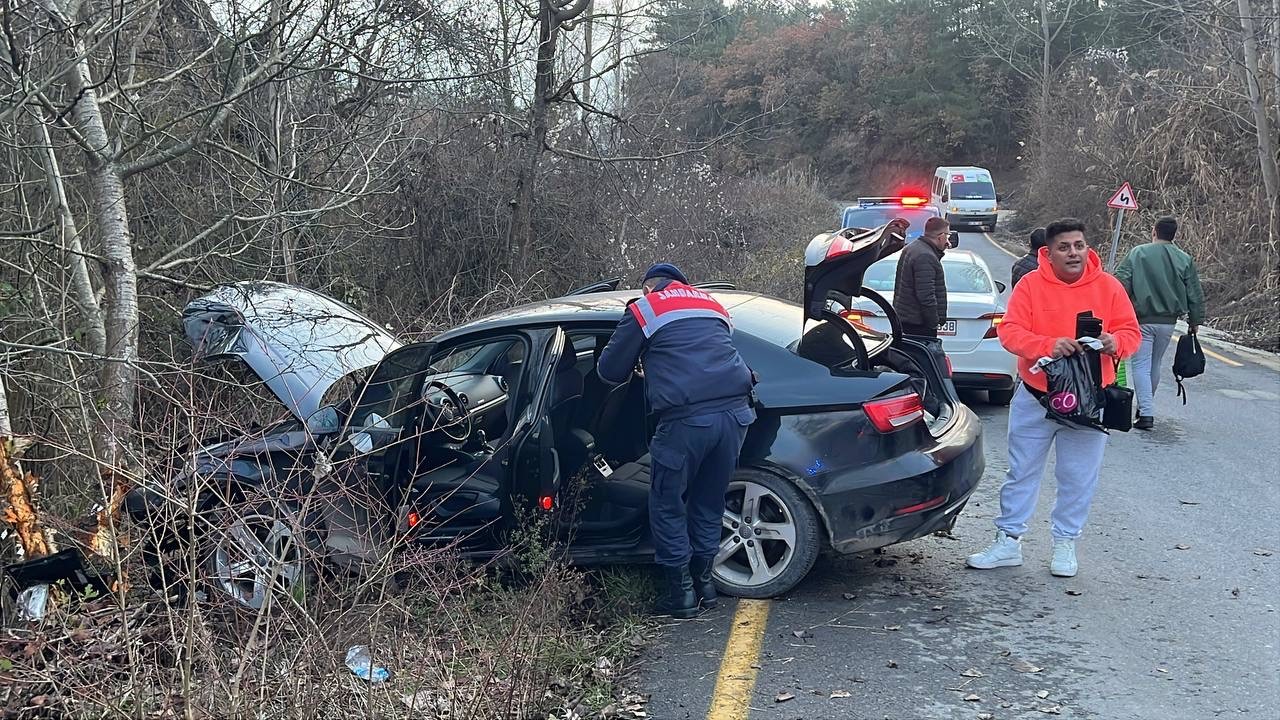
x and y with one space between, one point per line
1117 406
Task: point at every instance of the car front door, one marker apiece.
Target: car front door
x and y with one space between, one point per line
535 480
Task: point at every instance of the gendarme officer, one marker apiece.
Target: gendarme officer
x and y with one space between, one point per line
700 388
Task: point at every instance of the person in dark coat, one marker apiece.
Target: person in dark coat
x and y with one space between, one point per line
700 388
920 289
1029 262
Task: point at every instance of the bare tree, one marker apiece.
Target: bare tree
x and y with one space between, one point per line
1264 131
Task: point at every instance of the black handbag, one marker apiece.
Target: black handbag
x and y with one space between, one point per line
1117 412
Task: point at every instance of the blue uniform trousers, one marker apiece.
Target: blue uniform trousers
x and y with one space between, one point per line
693 460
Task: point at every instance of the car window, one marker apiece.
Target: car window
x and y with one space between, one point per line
458 359
881 274
973 191
962 277
966 278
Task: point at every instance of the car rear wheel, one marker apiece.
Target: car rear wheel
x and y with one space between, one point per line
769 536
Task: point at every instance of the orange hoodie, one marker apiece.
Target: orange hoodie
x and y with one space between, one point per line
1043 309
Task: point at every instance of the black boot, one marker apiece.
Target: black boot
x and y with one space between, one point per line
676 596
701 568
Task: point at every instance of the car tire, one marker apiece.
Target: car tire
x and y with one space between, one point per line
1000 397
255 546
785 536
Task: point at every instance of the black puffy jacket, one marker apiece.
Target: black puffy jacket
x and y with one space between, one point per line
920 289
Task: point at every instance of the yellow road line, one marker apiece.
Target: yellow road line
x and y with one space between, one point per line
1000 247
732 697
1213 354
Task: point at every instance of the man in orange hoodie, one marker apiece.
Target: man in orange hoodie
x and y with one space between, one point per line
1041 322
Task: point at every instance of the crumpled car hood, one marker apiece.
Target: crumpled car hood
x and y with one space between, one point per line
297 341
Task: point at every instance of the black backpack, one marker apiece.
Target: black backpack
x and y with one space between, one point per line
1188 362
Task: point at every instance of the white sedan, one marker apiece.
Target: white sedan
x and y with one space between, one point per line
974 311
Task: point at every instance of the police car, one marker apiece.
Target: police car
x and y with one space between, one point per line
871 212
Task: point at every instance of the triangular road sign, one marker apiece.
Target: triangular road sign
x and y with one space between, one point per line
1124 199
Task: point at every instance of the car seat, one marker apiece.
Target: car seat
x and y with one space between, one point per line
573 443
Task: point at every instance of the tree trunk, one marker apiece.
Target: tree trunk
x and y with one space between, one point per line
588 28
1261 115
81 283
118 380
617 58
1042 141
520 235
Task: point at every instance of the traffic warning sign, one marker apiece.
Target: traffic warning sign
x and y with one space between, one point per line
1124 199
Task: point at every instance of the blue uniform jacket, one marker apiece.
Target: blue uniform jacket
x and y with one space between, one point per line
690 366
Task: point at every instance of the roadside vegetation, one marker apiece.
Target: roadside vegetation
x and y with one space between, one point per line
430 162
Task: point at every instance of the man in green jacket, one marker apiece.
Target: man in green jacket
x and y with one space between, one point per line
1163 284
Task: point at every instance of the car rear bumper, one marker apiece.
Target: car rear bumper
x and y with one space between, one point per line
933 488
963 219
987 366
982 381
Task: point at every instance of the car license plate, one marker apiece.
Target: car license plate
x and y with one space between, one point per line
947 328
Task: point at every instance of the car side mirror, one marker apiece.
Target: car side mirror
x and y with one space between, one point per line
1001 286
324 420
953 240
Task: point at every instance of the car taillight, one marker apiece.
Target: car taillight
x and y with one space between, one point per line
857 316
894 413
996 319
950 370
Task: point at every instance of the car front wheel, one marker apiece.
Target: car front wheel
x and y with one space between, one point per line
769 537
256 548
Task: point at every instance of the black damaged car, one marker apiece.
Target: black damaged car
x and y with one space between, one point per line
861 441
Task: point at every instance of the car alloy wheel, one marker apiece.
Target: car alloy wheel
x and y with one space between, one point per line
769 536
254 553
759 536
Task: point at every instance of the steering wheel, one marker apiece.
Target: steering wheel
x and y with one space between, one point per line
449 415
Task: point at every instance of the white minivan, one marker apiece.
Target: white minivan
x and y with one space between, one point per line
966 196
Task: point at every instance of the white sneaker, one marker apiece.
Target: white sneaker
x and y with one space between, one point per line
1064 558
1004 552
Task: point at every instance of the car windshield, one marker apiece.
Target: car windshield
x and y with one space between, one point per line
961 277
973 191
872 217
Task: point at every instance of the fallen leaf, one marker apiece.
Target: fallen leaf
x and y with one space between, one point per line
1023 666
892 628
972 698
971 672
1075 593
1261 552
1182 546
892 663
1042 694
1051 709
783 697
840 694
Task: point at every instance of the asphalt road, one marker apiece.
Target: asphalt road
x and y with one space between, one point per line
1173 615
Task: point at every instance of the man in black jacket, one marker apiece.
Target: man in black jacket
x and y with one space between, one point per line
920 290
1029 262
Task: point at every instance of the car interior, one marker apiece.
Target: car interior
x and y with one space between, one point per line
452 467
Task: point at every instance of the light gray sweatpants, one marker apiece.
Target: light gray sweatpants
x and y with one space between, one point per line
1146 365
1079 461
